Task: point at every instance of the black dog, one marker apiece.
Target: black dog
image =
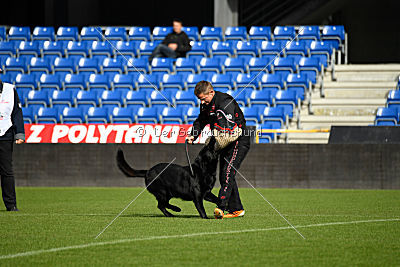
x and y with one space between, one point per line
177 181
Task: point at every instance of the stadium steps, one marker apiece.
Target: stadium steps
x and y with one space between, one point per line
351 99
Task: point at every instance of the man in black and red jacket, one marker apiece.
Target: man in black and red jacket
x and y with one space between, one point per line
174 45
223 113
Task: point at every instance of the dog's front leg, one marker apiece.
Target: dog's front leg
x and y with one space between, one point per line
210 197
198 202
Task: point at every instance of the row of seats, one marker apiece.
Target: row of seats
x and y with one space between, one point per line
275 116
389 115
183 66
159 33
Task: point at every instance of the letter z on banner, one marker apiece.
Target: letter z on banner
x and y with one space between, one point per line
110 133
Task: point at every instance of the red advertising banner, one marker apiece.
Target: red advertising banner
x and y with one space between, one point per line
110 133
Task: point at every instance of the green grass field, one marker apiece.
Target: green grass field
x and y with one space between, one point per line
57 226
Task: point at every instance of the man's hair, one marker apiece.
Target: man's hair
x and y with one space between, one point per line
177 20
202 87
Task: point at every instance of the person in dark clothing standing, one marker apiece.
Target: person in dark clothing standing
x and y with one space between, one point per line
11 128
174 45
223 113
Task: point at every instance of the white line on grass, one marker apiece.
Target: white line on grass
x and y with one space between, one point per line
121 241
133 200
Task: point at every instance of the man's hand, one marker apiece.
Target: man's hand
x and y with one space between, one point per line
190 139
19 141
173 46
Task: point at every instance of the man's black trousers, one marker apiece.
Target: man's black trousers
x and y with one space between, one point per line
7 175
232 155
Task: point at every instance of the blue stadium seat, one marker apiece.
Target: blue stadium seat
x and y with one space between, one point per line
7 48
38 98
265 138
97 115
111 98
335 33
26 81
297 48
260 99
50 81
87 98
246 58
236 33
309 33
284 33
67 33
64 65
298 83
73 115
271 48
222 48
40 66
393 97
102 48
115 33
16 65
123 115
46 115
128 49
146 48
113 65
322 50
311 67
63 99
136 65
274 115
170 115
193 79
191 114
222 81
8 78
19 33
235 66
186 98
252 114
75 81
91 33
192 33
147 81
176 81
210 65
240 96
88 65
288 101
159 32
99 81
260 33
3 33
162 65
199 49
134 98
211 33
29 48
247 81
22 95
257 65
54 48
186 65
161 99
246 48
139 33
284 66
390 114
147 115
43 33
29 116
124 81
78 48
272 81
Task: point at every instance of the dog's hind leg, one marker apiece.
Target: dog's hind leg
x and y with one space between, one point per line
173 207
162 205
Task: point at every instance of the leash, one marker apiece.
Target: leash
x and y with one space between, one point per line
187 157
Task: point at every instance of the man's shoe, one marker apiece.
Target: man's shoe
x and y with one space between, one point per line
218 213
12 209
238 213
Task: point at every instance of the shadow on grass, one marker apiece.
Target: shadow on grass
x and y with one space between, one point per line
142 215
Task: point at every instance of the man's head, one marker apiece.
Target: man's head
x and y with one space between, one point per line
177 25
204 92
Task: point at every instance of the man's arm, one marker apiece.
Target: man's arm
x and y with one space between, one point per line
167 40
198 125
185 46
17 120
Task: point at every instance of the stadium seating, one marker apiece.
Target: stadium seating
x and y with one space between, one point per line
67 33
387 116
260 33
211 33
139 33
159 33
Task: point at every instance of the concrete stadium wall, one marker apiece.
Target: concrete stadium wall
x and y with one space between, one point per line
270 166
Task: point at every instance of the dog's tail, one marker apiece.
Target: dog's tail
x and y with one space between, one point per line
126 169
